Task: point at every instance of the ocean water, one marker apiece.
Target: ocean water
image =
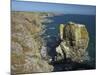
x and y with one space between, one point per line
51 36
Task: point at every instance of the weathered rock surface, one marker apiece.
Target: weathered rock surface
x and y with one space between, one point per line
26 43
75 39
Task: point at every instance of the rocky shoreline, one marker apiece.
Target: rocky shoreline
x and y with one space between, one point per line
29 51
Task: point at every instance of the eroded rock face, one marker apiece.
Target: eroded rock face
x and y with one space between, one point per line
26 44
75 39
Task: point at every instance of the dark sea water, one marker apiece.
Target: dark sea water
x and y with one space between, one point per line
51 36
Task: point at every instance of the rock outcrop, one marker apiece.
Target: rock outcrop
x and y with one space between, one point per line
75 39
26 43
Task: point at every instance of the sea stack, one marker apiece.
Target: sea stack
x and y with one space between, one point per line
75 39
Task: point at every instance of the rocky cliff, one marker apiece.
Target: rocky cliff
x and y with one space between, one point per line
26 43
74 42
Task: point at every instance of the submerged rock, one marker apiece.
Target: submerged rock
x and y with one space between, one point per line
75 39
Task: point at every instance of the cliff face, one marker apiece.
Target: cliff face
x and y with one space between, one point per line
26 43
74 42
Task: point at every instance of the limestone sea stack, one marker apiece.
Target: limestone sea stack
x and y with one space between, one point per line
75 39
